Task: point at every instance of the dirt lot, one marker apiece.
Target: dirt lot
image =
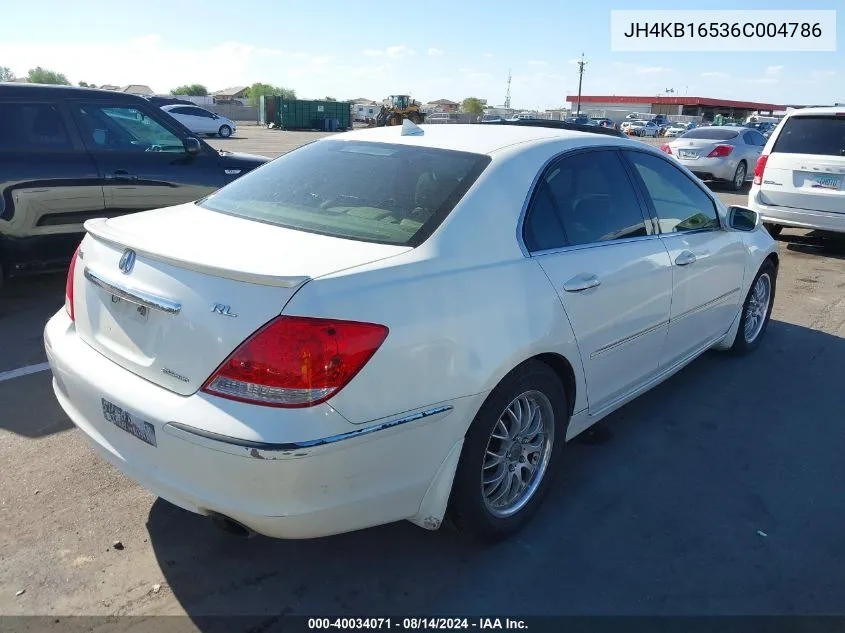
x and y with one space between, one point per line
715 493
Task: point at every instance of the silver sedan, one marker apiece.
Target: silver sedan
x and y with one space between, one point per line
721 153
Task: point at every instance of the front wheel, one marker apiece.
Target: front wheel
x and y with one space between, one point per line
510 453
757 310
225 131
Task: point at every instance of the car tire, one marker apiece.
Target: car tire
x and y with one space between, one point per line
496 433
741 172
225 131
748 336
773 229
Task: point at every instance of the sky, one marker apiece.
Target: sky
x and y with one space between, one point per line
440 50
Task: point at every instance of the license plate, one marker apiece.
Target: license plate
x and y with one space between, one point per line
833 183
133 425
687 153
133 311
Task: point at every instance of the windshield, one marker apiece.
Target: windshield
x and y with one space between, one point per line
373 192
711 134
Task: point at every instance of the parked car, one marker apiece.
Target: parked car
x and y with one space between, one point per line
799 180
491 118
723 153
439 117
603 122
675 129
201 121
632 127
321 357
71 154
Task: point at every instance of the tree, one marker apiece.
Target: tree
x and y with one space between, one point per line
193 90
329 99
257 89
40 75
472 105
85 84
6 74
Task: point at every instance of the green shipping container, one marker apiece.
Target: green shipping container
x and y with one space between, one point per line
313 115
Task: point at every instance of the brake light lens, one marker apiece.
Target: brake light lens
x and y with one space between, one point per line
665 149
69 285
760 168
296 362
721 151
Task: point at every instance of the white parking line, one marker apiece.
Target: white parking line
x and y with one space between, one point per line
23 371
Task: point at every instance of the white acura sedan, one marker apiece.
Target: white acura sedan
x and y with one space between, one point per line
398 323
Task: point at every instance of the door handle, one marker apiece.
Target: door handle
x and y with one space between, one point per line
581 282
121 174
685 259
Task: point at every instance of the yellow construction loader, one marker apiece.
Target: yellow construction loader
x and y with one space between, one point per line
397 109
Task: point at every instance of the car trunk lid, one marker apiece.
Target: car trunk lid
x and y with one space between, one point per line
201 282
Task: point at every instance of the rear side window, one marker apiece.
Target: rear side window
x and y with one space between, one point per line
821 135
372 192
710 134
32 127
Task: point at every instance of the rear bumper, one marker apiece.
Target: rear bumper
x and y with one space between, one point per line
290 487
711 168
797 218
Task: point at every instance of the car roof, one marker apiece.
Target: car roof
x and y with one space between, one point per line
44 91
828 110
476 138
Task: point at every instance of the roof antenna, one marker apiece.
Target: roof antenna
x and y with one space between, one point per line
409 128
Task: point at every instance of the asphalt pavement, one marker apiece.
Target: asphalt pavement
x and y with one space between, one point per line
715 493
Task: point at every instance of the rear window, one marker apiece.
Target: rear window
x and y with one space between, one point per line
822 135
714 135
372 192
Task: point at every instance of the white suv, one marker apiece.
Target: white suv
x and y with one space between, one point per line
799 180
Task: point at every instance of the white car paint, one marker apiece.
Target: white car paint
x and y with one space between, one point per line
803 190
199 120
463 309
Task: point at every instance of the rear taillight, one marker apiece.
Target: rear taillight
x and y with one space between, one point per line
665 149
69 285
760 168
296 361
721 151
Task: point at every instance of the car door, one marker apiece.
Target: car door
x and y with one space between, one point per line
185 115
49 185
588 231
142 159
708 262
752 146
205 121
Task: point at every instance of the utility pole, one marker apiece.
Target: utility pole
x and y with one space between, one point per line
508 93
581 65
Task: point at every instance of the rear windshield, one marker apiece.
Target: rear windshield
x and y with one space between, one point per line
372 192
713 135
822 135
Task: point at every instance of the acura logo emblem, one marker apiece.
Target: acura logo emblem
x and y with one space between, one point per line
127 261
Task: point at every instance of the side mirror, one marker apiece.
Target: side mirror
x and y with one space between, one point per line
192 146
743 218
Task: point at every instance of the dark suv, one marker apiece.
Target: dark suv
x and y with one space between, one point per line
71 154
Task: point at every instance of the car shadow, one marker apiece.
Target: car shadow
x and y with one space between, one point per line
713 493
816 243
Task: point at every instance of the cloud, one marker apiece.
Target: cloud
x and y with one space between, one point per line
370 52
822 74
773 70
764 80
479 75
575 60
435 52
301 55
651 70
466 70
488 54
716 74
398 52
537 62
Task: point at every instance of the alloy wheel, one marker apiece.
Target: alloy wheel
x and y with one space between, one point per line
757 307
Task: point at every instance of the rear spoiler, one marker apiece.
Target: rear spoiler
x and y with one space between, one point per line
561 125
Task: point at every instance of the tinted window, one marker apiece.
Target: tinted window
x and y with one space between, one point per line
200 112
712 134
36 126
375 192
594 198
755 138
180 110
679 203
124 128
824 135
543 227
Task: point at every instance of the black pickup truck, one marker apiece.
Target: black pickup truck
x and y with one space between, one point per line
71 154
